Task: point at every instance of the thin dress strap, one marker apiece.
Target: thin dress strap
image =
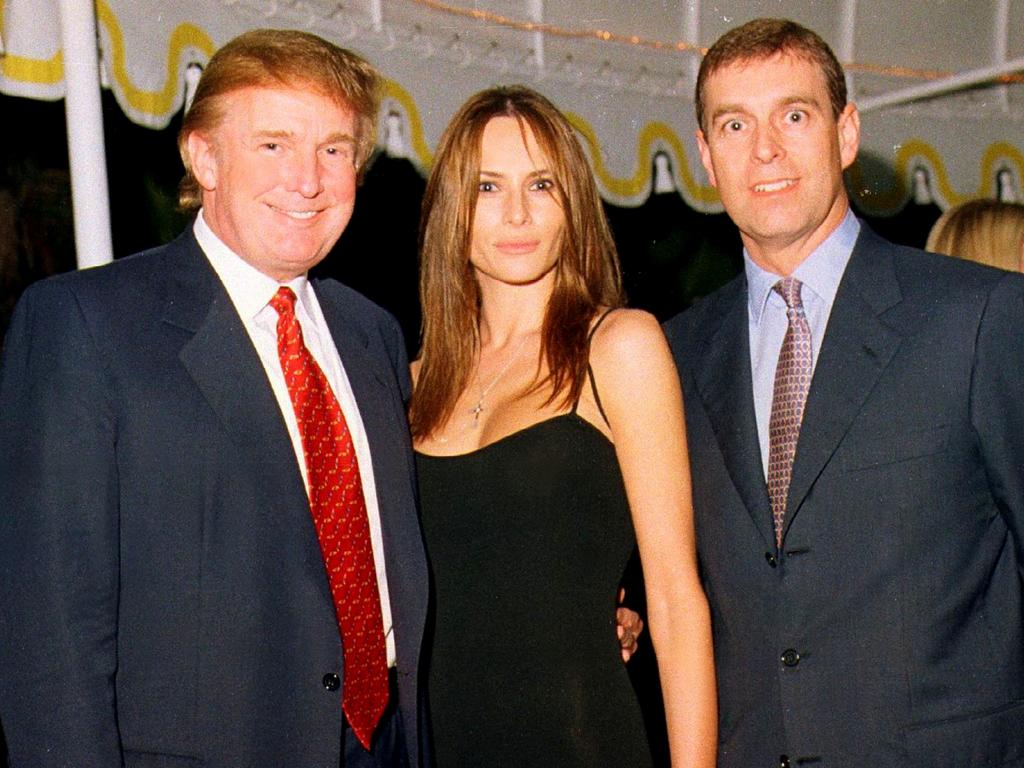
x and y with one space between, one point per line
590 371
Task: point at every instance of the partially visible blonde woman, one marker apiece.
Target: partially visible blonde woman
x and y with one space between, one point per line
986 231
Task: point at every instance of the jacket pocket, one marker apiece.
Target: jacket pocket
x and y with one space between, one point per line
891 448
994 739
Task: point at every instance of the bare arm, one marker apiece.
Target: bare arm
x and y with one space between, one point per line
640 391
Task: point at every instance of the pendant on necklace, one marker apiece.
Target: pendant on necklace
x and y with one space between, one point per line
476 410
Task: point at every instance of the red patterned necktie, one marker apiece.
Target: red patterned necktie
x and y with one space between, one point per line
339 514
792 380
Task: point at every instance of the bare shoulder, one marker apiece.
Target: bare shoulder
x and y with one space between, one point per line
414 370
633 369
627 337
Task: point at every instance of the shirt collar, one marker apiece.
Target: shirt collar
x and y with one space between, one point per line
249 289
820 272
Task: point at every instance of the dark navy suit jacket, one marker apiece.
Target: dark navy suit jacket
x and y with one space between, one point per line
888 630
163 600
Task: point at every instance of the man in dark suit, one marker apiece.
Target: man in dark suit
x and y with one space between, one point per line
189 434
866 593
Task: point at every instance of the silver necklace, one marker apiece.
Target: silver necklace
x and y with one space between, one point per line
477 409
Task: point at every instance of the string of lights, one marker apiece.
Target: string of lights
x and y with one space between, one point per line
603 35
607 36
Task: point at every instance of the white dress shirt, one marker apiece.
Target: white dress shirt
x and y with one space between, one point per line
250 291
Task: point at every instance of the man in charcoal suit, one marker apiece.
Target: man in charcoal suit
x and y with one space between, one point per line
209 547
855 416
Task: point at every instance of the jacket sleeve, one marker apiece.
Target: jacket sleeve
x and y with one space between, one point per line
394 341
58 537
997 401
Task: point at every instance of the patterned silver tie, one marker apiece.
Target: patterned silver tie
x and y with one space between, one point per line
792 380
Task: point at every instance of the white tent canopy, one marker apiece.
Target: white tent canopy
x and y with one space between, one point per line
939 85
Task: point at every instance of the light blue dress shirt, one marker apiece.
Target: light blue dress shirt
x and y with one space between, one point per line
820 274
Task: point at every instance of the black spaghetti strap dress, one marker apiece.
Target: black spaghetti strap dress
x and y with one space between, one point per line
527 539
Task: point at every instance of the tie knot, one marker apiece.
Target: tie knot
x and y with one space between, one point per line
789 289
283 301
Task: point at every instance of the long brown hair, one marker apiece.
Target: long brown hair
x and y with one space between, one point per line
586 275
272 58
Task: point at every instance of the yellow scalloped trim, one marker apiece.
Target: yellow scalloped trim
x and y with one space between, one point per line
637 186
418 139
24 70
159 104
998 153
43 72
156 103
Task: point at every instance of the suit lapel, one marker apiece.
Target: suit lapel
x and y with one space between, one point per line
857 347
376 390
228 372
723 379
367 375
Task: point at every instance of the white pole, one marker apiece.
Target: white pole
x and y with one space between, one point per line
691 34
1001 43
536 11
90 202
848 40
956 82
377 15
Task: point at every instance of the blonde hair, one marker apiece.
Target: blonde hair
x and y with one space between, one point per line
986 231
586 275
275 58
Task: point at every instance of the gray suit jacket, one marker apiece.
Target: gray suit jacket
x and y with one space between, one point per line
163 600
888 630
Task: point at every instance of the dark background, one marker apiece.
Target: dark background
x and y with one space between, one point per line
671 254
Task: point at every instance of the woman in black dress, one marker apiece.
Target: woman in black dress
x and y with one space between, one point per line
548 425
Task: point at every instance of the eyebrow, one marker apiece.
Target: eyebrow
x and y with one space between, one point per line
532 174
338 137
268 133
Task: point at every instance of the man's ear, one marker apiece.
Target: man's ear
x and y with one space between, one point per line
202 157
849 135
705 156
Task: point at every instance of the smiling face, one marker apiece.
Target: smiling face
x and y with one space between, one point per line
776 155
518 222
278 176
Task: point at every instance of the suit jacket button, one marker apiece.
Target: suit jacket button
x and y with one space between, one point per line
790 657
772 561
331 681
783 761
